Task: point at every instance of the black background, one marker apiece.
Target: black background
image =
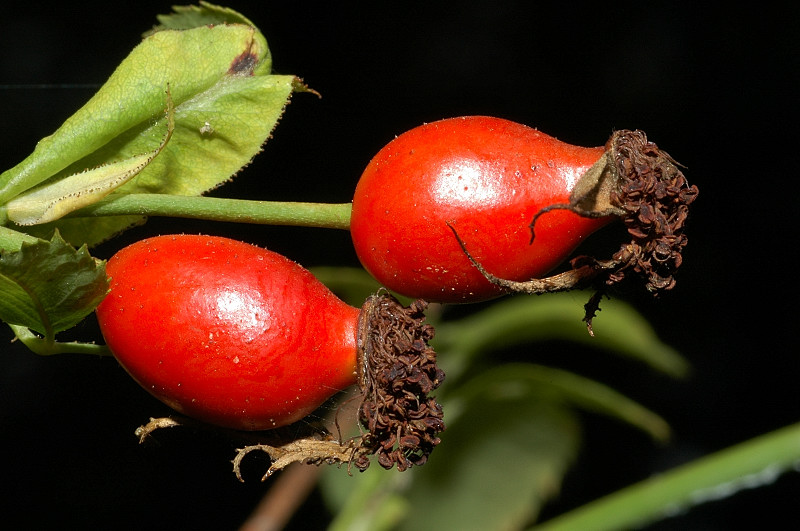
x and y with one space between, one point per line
716 87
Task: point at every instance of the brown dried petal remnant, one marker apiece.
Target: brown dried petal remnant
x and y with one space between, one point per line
397 373
655 197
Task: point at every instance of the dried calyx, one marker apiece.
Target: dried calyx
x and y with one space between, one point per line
397 372
654 197
641 184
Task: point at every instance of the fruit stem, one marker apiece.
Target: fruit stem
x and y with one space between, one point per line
320 215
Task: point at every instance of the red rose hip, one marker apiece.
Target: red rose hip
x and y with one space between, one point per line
487 178
227 332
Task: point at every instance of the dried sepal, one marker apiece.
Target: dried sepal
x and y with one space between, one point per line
307 451
644 186
146 431
592 196
583 273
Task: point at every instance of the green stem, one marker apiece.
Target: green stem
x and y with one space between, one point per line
754 463
322 215
43 347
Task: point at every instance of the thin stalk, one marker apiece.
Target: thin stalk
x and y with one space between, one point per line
45 347
321 215
751 464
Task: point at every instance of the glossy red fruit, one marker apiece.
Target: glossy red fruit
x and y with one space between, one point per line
226 332
485 176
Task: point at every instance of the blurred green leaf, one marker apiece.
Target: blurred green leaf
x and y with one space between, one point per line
525 319
497 465
561 387
351 284
753 463
368 500
49 286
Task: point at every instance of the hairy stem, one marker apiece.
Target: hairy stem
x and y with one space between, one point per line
321 215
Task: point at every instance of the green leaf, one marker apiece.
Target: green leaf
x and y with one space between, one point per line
563 387
204 14
216 134
497 465
49 286
226 106
190 62
52 201
524 319
12 240
369 500
753 463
